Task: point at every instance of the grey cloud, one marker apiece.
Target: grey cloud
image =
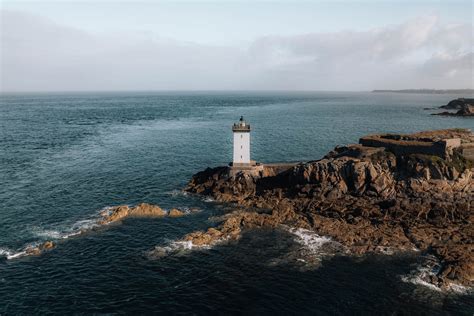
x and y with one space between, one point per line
38 54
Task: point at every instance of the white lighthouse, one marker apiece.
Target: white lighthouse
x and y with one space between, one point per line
241 132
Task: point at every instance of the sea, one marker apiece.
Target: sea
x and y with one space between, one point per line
65 157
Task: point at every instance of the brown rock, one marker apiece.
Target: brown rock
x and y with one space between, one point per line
141 210
47 245
174 212
35 251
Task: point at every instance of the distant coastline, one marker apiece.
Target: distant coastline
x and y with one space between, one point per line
429 91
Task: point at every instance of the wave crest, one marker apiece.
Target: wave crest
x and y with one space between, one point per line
428 271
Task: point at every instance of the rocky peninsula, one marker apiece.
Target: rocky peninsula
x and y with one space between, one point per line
387 193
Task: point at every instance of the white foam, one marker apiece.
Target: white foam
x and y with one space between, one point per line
85 224
179 193
58 233
75 229
191 210
209 200
51 234
309 239
180 247
460 289
184 245
418 279
172 248
10 254
186 210
422 273
16 255
5 252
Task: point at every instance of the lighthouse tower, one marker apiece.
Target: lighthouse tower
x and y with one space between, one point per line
241 132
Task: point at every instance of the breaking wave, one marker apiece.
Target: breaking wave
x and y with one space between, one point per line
11 254
54 234
425 272
6 253
75 229
178 193
175 248
309 239
308 250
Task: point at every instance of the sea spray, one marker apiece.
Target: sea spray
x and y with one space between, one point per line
308 250
309 239
429 269
174 248
54 234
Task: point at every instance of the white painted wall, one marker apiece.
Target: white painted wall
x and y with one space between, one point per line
241 147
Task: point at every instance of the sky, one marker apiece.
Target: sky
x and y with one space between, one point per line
235 45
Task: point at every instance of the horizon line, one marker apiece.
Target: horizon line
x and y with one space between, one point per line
226 90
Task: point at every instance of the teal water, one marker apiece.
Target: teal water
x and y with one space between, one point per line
65 157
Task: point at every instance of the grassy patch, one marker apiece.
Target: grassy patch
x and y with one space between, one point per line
457 161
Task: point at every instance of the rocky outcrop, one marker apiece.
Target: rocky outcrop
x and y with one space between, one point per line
368 199
37 250
141 210
465 107
457 104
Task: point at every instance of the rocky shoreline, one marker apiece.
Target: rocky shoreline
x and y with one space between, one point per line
368 198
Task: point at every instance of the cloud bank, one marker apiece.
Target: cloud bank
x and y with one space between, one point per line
39 55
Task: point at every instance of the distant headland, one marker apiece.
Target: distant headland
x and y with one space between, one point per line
429 91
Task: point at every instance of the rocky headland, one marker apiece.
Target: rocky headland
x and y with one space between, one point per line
461 107
388 193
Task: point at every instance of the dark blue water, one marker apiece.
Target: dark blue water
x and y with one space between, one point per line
64 157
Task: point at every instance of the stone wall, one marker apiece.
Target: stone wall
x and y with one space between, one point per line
467 151
401 147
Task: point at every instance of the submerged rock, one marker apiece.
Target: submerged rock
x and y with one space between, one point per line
37 250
